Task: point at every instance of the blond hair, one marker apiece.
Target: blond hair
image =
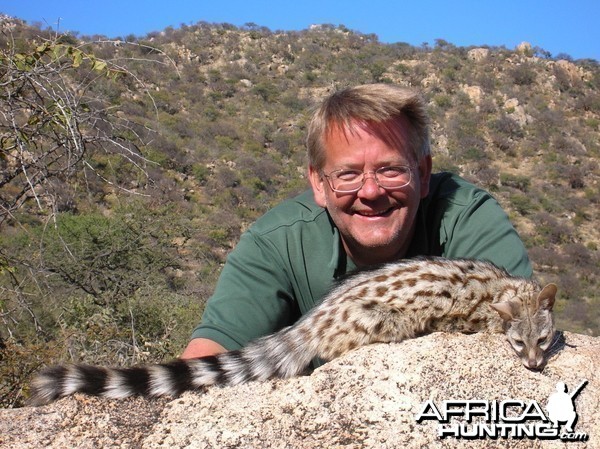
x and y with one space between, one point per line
379 109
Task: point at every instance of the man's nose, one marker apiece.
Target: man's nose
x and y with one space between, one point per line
370 188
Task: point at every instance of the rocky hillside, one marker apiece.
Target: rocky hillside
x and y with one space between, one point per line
111 259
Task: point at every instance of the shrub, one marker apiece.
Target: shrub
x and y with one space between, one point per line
515 181
443 101
201 173
551 228
267 91
523 74
522 204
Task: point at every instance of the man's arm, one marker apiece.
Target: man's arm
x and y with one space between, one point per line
202 347
252 298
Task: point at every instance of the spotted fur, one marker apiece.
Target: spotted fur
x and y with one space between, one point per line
388 304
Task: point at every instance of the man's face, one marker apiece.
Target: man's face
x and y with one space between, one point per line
376 225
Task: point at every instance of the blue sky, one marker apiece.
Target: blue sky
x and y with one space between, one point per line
565 26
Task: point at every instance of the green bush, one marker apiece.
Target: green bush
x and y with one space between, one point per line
522 204
515 181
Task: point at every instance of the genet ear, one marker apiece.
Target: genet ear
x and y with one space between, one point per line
317 184
507 310
547 297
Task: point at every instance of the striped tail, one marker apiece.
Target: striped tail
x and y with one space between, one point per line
278 355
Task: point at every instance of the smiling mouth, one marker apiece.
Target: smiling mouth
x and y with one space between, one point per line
381 213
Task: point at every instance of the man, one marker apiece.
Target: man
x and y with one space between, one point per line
373 200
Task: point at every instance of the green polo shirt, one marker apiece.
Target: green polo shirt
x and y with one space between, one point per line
289 258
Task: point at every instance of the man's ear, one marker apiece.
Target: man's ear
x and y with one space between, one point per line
424 175
318 185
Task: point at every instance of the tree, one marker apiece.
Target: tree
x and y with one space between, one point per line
50 125
60 128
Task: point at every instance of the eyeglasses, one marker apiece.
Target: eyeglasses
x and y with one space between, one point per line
348 181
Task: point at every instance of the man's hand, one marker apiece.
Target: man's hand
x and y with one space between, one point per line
202 347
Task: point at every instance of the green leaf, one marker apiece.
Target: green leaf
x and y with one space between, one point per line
43 48
77 58
99 66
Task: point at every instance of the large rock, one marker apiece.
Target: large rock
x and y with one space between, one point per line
478 54
368 398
